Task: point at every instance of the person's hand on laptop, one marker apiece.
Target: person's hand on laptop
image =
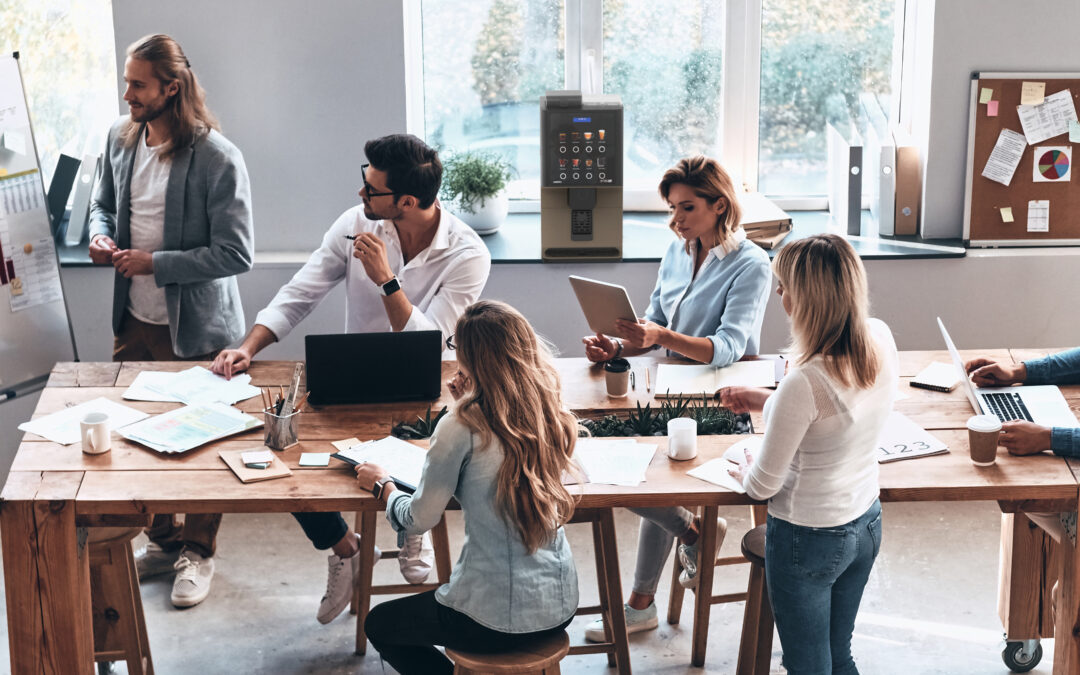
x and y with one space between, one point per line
641 334
229 362
989 373
599 348
1024 438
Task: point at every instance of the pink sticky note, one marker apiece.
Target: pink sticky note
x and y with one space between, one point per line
991 109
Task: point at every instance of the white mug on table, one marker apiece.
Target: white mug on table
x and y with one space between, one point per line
96 437
682 438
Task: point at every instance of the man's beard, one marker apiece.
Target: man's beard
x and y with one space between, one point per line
145 114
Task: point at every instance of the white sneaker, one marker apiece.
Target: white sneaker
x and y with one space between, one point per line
637 620
688 556
416 558
193 576
340 582
151 560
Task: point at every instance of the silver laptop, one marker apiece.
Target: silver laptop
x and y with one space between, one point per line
1041 404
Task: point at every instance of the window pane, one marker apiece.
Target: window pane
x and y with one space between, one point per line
664 59
486 64
69 72
817 57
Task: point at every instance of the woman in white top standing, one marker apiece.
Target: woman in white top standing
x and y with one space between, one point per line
817 465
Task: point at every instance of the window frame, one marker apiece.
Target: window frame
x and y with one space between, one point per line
740 110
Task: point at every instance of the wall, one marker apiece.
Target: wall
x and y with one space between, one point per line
981 35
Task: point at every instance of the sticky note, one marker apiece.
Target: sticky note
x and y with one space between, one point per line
256 456
315 459
344 445
1032 93
1006 214
15 142
986 94
16 286
1074 131
992 109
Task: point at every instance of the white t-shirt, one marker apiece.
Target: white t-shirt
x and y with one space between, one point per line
149 180
818 465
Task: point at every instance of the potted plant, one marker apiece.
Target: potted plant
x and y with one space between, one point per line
476 183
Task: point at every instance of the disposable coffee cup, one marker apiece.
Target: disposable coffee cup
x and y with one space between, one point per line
96 433
682 438
983 431
618 376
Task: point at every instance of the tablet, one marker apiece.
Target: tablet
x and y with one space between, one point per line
602 303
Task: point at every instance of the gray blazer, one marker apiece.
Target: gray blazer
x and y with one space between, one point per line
208 239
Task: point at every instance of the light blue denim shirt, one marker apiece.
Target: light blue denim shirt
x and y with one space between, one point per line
496 581
725 303
1060 368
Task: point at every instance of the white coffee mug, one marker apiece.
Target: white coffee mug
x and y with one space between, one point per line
682 438
96 437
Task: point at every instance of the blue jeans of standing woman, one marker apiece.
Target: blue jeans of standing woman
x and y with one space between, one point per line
816 577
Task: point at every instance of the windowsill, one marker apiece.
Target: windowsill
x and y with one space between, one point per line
645 238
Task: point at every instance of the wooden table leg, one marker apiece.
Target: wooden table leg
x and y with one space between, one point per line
1067 626
614 590
703 595
363 584
1019 582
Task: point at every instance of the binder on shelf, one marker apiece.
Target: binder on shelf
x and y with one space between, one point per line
845 175
908 183
80 203
880 159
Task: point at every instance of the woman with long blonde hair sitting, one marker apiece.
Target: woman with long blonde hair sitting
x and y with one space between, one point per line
818 464
501 452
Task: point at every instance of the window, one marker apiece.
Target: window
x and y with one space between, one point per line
68 66
750 82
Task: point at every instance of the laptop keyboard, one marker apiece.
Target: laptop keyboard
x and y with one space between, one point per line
1007 406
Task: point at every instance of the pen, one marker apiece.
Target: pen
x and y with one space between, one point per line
351 237
300 404
647 378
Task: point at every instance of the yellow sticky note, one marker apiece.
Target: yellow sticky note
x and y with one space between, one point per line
991 108
344 445
986 94
1032 93
1006 214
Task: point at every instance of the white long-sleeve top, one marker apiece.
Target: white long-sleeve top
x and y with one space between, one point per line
440 282
817 465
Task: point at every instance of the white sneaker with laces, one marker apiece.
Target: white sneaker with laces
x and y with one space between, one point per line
193 576
637 620
416 558
151 560
340 582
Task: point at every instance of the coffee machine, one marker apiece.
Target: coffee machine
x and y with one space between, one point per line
581 176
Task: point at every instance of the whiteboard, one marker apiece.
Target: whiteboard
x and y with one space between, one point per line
35 331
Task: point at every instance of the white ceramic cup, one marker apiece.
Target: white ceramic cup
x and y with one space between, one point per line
682 438
96 434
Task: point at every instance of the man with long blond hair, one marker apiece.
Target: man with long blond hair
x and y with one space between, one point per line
172 215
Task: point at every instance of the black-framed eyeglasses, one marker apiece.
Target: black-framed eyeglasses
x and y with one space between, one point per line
450 343
368 190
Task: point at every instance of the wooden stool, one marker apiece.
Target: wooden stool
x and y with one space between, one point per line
361 604
701 610
539 658
755 645
119 624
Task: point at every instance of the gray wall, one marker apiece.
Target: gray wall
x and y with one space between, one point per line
980 35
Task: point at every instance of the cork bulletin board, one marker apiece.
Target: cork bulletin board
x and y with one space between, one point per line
1021 186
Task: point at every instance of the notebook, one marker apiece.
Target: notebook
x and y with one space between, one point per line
674 379
232 458
938 377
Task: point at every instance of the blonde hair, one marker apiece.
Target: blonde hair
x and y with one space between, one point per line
188 116
830 306
709 181
516 398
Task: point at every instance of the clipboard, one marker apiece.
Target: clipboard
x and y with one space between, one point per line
602 303
404 486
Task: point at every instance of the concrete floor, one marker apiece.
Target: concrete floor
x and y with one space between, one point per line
929 606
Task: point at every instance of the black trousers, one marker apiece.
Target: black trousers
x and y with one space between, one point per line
323 528
406 631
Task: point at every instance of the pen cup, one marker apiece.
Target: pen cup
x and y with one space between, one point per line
280 430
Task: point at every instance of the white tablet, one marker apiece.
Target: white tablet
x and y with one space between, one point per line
602 303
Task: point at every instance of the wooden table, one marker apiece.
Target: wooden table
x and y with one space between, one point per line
53 491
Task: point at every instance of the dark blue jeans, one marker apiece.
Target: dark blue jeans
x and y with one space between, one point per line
816 577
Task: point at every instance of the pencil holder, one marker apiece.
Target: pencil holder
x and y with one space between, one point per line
280 430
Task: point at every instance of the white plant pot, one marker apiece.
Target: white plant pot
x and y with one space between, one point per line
489 217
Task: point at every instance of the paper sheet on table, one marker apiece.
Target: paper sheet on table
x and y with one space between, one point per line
63 427
715 471
189 427
401 459
147 386
903 439
1038 219
1006 154
614 462
199 385
1048 119
674 379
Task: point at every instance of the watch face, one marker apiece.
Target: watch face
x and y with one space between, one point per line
391 286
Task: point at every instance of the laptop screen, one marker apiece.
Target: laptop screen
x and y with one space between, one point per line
374 367
965 381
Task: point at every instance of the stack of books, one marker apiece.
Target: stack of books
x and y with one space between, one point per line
766 224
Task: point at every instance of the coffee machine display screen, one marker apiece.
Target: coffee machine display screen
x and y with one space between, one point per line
583 150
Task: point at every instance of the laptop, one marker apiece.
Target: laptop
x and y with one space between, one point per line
1041 404
374 367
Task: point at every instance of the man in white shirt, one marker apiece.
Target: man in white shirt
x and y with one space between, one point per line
172 215
407 265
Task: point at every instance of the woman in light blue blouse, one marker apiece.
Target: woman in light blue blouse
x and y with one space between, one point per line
707 306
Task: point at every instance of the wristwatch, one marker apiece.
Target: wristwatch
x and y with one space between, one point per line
378 487
618 347
391 287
